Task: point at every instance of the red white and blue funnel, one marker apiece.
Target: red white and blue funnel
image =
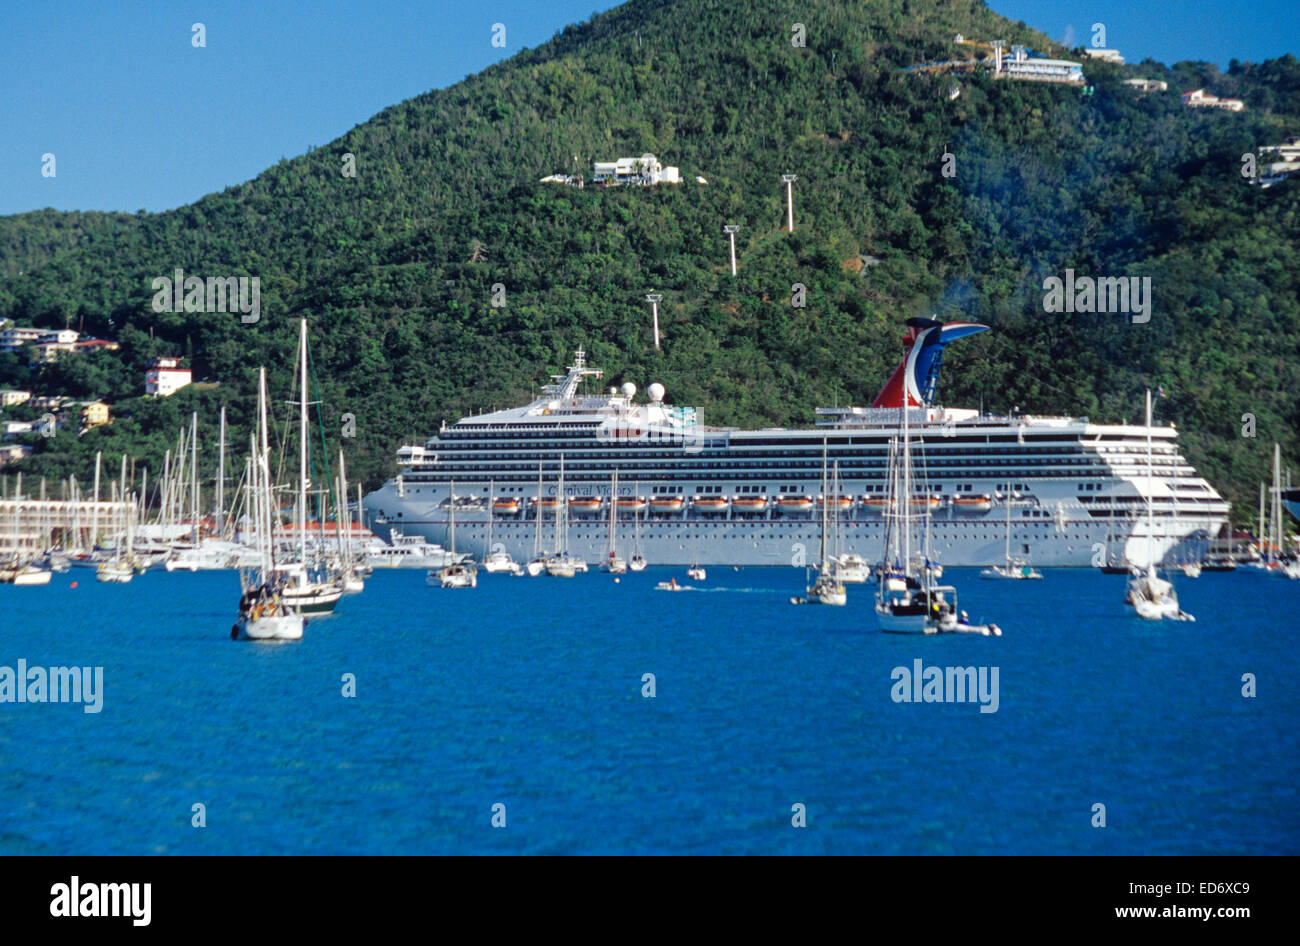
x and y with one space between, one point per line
918 372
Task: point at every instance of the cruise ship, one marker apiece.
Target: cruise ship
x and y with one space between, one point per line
1070 492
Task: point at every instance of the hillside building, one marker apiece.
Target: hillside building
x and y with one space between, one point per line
1147 85
644 171
165 377
1199 98
1035 69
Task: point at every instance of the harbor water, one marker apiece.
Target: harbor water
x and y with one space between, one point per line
526 701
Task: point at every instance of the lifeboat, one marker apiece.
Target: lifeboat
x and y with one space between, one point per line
505 506
547 502
973 502
666 504
749 505
585 505
842 503
711 505
874 503
631 504
923 502
789 504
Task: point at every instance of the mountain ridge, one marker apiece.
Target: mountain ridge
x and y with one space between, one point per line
404 334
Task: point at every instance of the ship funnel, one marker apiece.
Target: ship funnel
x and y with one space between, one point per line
913 381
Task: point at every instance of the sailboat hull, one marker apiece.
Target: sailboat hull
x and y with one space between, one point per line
284 627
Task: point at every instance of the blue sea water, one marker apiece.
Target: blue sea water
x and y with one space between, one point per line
527 692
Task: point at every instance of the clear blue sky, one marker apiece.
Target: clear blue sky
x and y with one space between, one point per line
137 118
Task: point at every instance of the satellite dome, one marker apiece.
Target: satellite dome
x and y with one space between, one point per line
656 391
629 390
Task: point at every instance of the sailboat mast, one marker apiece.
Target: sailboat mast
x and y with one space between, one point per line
221 476
491 488
1151 480
264 477
302 441
194 477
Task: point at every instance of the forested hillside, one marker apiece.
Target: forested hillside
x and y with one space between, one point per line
394 267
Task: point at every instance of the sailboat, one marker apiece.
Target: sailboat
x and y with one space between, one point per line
696 571
562 564
1149 595
637 563
1015 569
263 613
300 591
457 574
847 567
120 568
614 563
497 561
908 599
827 589
352 582
537 565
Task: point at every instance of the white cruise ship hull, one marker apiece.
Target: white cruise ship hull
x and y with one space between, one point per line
791 543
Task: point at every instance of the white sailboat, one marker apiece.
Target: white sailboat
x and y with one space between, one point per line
1012 569
457 574
562 564
908 599
614 563
263 613
300 591
637 562
351 580
497 561
827 589
1150 596
537 565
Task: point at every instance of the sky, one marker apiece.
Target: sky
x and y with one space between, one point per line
139 118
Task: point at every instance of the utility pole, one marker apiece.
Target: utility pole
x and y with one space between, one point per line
730 229
789 200
653 298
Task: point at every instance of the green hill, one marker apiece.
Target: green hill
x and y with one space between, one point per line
394 268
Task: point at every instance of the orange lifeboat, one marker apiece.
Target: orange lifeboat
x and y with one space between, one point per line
631 504
710 505
973 502
663 504
749 505
585 505
505 506
789 504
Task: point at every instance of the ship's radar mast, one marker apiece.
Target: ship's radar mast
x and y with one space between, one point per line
565 386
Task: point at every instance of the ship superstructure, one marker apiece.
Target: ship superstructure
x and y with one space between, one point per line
1075 491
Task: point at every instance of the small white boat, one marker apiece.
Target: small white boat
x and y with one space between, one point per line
497 563
562 566
696 572
1153 598
536 567
671 585
1013 570
850 568
263 616
459 575
637 564
1192 569
828 589
115 570
614 565
30 575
